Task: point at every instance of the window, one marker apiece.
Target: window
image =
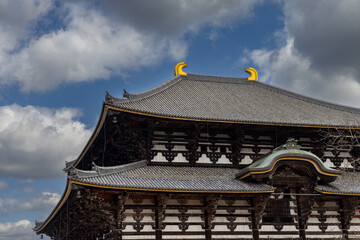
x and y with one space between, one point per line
277 211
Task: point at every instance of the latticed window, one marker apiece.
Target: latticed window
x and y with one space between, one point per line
277 210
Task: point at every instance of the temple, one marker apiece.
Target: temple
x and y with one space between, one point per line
210 157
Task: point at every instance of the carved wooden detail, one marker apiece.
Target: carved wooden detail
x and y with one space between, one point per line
183 218
347 210
258 204
236 146
121 199
169 156
182 200
231 218
322 217
336 159
192 155
138 217
137 199
161 207
211 203
214 156
304 206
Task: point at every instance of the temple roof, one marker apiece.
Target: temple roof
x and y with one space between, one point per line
139 176
347 183
227 99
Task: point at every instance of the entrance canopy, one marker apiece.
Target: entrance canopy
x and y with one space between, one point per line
289 154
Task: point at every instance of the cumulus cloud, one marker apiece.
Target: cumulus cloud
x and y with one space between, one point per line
17 19
35 142
174 17
319 55
44 202
326 32
20 230
111 41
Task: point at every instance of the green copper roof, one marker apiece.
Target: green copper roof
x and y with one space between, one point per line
290 151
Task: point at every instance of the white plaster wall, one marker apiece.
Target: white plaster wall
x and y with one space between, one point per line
139 237
159 158
232 236
184 236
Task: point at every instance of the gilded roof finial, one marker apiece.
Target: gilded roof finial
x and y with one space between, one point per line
178 69
253 74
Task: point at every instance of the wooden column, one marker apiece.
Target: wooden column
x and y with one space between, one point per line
347 211
120 217
258 204
160 203
210 203
304 206
236 145
193 136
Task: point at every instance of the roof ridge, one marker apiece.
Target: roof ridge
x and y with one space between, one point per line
307 98
214 78
238 80
131 97
102 171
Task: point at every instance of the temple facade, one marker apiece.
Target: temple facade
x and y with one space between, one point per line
209 157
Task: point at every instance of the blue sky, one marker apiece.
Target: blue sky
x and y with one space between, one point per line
57 59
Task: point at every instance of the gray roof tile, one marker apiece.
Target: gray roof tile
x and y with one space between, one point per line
171 178
235 99
346 183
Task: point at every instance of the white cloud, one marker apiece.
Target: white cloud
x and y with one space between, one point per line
3 185
113 40
310 60
16 20
44 202
20 230
173 17
35 142
28 190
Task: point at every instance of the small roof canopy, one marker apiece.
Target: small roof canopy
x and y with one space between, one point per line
288 154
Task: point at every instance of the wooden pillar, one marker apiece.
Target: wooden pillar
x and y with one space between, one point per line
254 225
347 211
258 205
210 203
160 203
236 146
120 217
304 206
193 136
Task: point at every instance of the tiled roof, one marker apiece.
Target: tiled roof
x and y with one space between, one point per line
138 175
234 100
177 178
346 183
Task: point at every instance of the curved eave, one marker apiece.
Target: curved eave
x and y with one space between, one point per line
98 127
61 202
336 193
165 190
227 121
268 169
